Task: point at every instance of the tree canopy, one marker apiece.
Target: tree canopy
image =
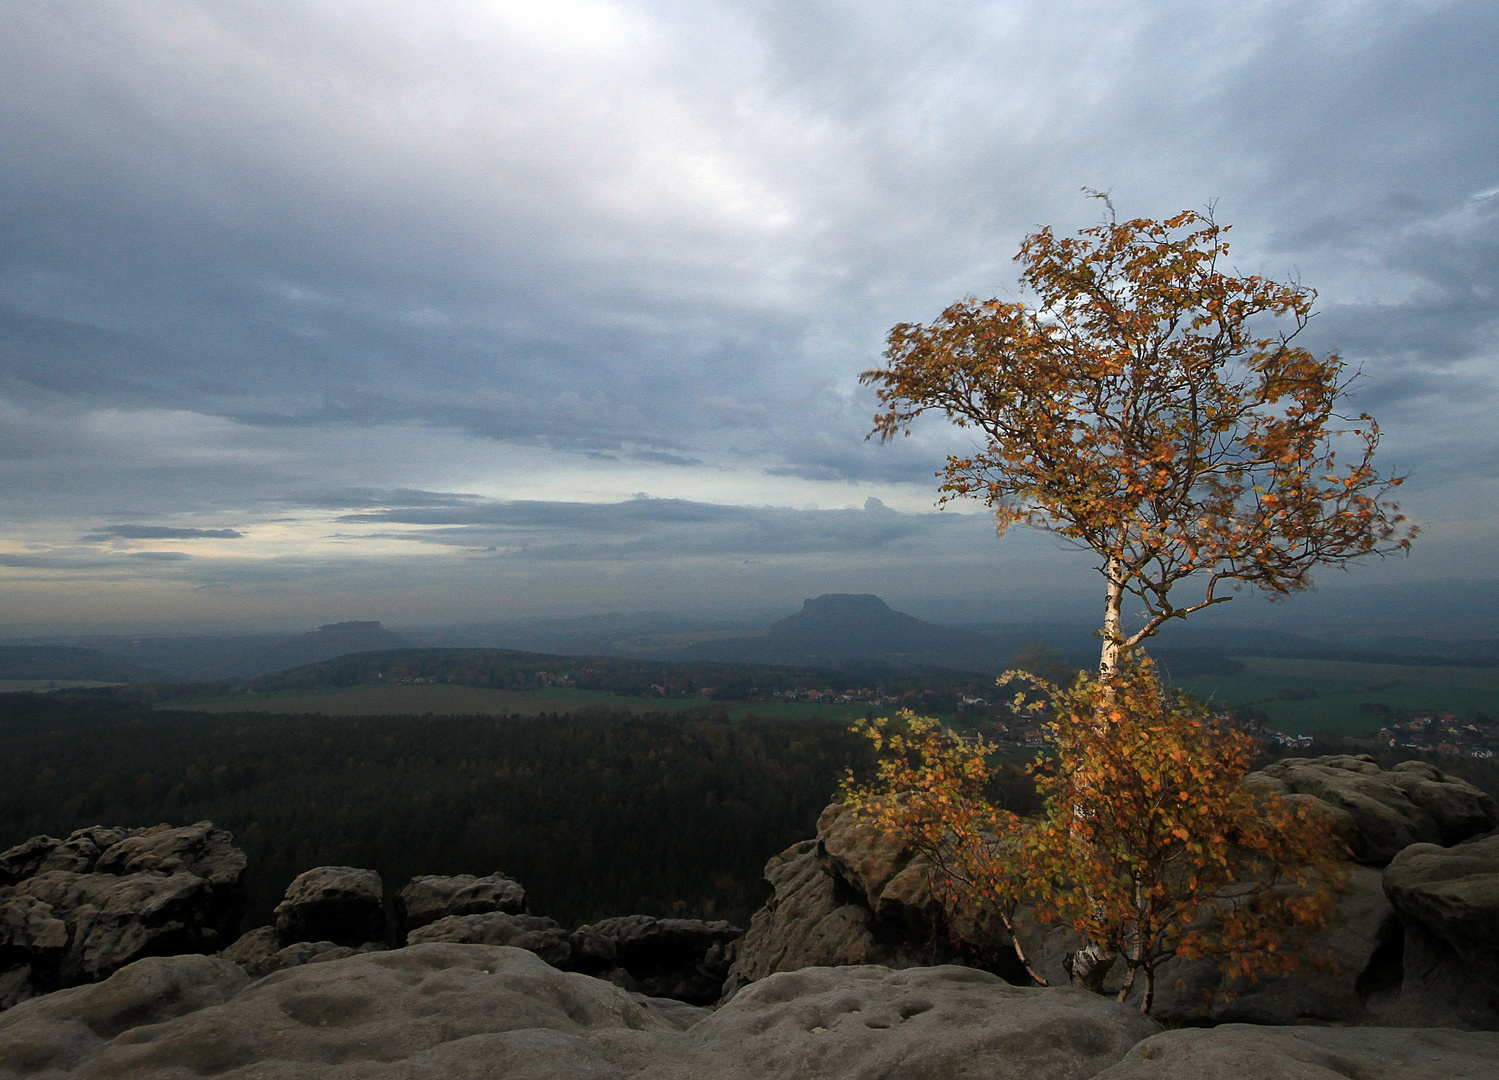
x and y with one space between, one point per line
1144 407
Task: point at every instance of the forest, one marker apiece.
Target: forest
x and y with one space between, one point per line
596 816
608 813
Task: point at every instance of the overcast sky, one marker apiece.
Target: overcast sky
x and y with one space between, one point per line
473 309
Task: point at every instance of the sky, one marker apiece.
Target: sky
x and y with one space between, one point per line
478 309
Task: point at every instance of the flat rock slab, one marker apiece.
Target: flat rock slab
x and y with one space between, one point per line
1249 1052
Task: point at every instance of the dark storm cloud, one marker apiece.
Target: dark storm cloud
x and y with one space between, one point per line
162 532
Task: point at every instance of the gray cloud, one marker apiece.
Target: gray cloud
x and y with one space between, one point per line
646 529
162 532
470 284
346 497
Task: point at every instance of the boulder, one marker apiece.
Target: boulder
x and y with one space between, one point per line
79 909
1448 901
544 937
342 904
685 959
442 1009
1251 1052
1386 812
426 899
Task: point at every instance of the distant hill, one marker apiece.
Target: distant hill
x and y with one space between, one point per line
65 662
836 628
243 657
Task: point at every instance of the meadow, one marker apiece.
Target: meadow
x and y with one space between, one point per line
1307 696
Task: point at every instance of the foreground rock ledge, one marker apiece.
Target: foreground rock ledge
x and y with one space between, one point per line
471 1011
466 1012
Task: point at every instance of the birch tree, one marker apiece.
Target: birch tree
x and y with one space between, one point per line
1151 406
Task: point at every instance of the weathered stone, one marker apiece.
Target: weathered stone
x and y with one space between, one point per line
1460 810
1388 811
812 919
52 1034
1253 1052
458 1011
342 904
921 1023
138 892
426 899
1448 900
468 1012
255 950
200 850
1331 984
534 934
78 854
685 959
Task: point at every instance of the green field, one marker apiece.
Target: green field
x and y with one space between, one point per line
444 699
1342 686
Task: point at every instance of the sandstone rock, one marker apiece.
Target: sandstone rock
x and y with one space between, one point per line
426 899
812 919
103 898
52 1034
1245 1052
254 951
1448 900
333 903
921 1023
198 849
460 1011
1460 810
1388 811
470 1011
685 959
541 936
1337 974
77 854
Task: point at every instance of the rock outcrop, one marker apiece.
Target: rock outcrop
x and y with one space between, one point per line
76 910
1349 971
852 896
685 959
426 899
504 1012
832 904
1385 812
541 936
1448 900
342 904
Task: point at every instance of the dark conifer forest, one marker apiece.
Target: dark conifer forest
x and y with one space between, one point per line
598 815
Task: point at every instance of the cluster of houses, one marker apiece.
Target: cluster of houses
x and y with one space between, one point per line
1444 733
825 695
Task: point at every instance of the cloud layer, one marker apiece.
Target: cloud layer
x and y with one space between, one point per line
356 292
